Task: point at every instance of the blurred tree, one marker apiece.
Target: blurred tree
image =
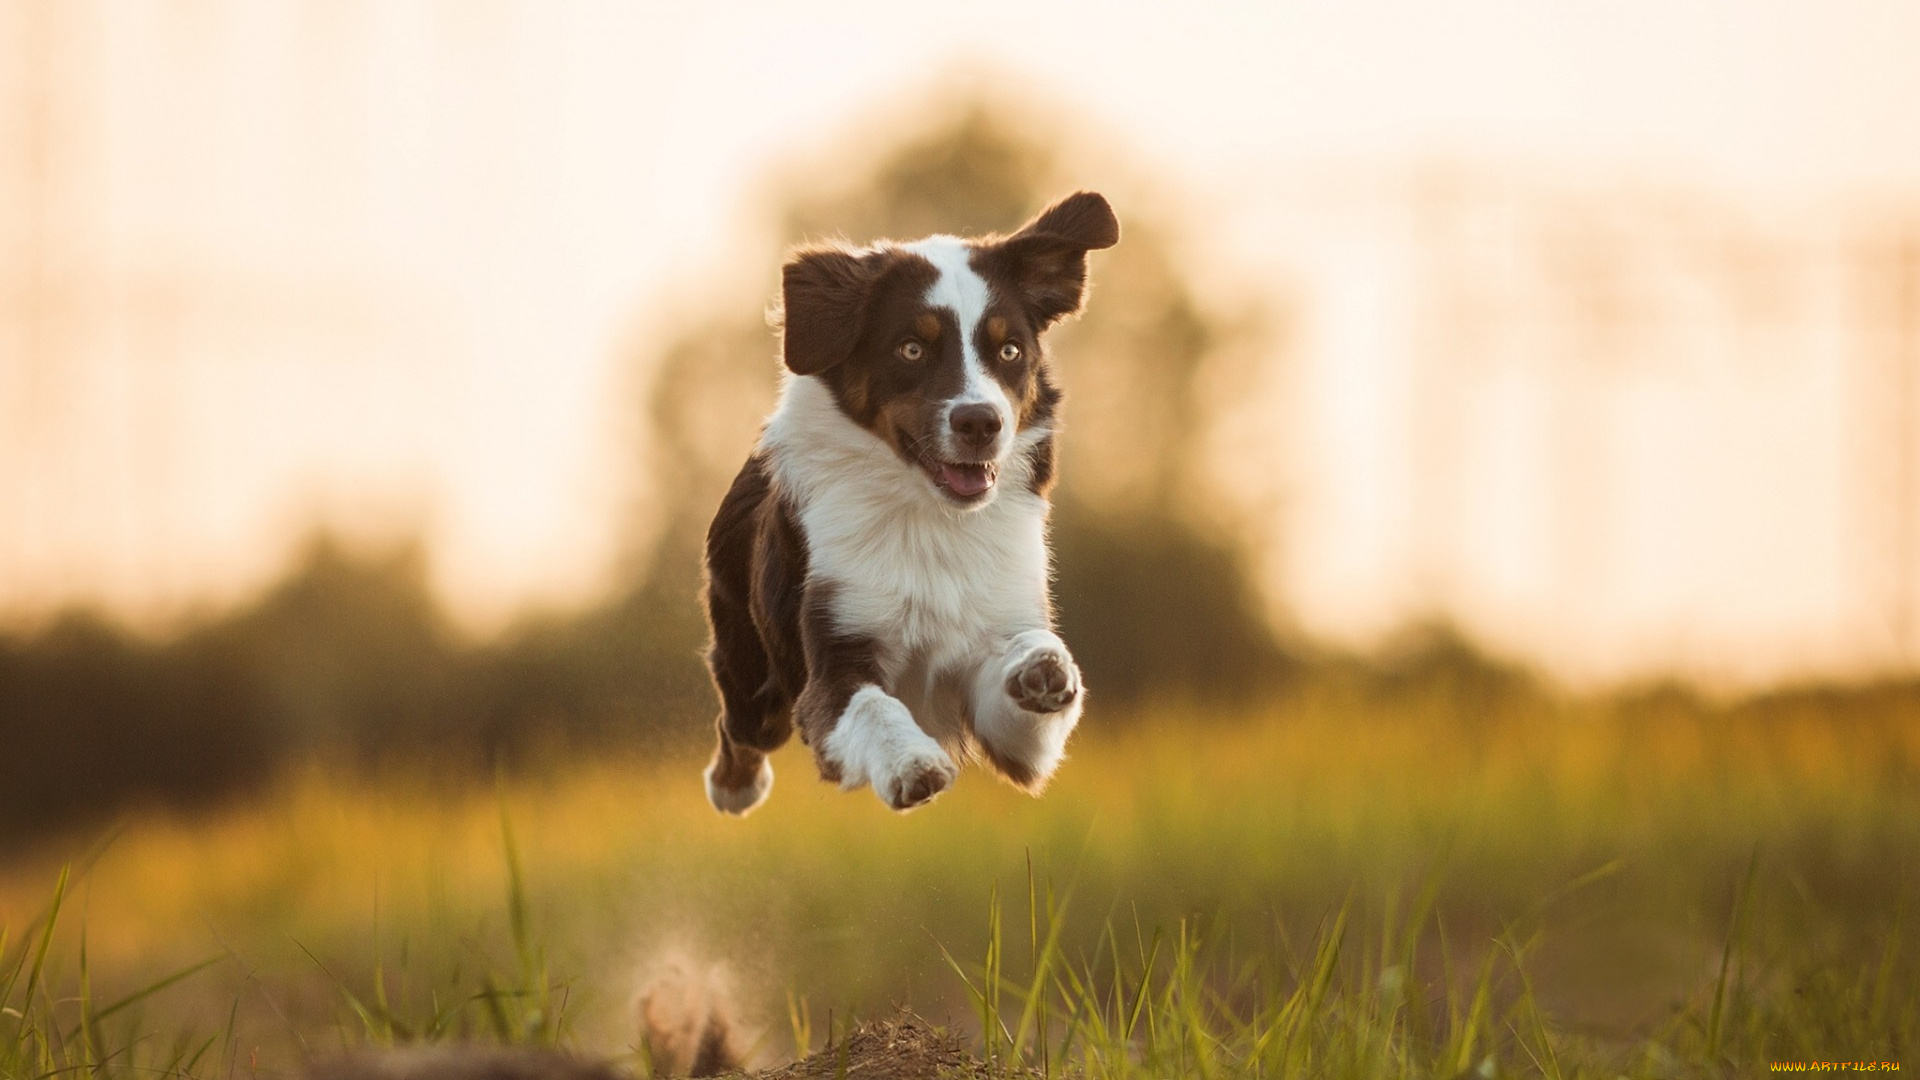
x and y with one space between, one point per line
348 651
1155 599
92 720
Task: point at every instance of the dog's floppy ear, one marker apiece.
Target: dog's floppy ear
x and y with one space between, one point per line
823 299
1046 261
1082 219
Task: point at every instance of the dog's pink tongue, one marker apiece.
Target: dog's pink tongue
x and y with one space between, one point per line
965 481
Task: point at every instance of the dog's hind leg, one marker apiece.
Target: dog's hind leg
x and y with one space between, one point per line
754 716
750 727
739 777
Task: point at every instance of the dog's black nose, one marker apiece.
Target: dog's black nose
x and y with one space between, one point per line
976 424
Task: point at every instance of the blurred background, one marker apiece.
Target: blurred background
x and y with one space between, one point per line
1522 373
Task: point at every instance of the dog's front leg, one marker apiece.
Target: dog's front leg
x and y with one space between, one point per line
1026 702
874 740
861 734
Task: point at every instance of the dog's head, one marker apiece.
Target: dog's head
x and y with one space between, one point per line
934 346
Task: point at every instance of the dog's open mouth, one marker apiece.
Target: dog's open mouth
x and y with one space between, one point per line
963 480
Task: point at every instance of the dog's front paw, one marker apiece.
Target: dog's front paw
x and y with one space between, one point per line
1044 681
876 742
916 779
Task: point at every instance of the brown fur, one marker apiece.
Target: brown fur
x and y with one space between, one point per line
756 568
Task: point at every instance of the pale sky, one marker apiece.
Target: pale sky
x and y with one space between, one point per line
396 248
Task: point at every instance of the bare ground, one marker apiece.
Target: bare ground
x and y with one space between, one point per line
903 1048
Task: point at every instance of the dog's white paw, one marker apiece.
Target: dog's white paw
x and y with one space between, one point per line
1030 702
916 779
1044 679
739 801
876 742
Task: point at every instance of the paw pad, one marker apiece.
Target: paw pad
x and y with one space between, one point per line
1046 683
918 785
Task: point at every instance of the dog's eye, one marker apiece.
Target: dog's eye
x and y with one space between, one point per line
910 351
1009 352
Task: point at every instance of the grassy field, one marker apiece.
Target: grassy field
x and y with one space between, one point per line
1323 889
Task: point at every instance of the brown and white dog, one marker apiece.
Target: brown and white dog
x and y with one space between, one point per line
878 573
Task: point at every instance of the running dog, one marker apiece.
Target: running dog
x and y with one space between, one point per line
878 573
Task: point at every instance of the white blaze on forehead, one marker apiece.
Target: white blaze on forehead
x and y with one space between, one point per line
958 288
961 290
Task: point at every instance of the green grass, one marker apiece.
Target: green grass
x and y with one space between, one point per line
1397 1002
47 1032
1312 893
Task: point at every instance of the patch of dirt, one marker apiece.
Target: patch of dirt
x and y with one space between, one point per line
903 1048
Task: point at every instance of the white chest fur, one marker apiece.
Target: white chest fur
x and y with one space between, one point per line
934 585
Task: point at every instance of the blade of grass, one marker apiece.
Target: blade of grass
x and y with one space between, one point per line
40 950
1042 957
1716 1018
369 1019
155 987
